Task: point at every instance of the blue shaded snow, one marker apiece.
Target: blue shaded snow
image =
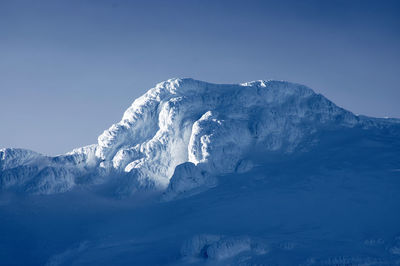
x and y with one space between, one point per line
334 205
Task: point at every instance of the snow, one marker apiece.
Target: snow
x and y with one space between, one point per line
187 177
259 173
214 247
185 120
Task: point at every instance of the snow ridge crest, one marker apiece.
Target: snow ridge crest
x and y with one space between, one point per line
212 126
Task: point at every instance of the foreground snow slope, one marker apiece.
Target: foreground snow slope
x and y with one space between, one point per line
337 204
213 127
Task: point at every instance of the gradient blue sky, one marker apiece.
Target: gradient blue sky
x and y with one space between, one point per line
68 69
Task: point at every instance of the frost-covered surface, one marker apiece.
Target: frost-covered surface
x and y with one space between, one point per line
191 121
27 171
213 247
262 173
184 120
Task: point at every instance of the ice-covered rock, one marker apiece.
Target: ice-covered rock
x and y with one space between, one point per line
198 244
183 121
188 176
216 247
35 173
229 247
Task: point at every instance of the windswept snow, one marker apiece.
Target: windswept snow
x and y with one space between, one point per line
259 173
179 121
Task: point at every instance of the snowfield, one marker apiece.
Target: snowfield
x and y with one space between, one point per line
259 173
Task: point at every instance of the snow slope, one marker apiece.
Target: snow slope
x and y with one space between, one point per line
260 173
213 126
337 204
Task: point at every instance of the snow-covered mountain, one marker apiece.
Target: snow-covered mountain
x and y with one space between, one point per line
260 173
211 129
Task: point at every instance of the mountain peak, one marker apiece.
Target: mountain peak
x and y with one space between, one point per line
212 126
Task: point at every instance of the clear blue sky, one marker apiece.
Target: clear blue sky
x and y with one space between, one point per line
68 69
